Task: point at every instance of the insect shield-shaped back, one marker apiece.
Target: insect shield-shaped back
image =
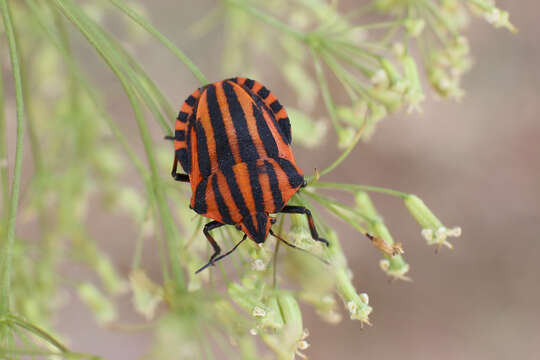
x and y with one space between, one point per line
233 139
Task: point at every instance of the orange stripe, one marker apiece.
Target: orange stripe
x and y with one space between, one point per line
227 196
256 87
246 102
242 178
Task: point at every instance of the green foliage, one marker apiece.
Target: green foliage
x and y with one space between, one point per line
376 53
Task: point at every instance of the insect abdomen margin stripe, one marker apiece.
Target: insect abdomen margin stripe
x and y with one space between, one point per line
200 205
295 179
202 150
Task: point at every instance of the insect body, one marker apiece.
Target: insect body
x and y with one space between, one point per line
232 138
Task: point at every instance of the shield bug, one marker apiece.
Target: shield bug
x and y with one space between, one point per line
233 140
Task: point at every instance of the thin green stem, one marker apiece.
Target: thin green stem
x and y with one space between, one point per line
355 187
270 20
346 213
345 153
38 332
4 176
154 32
325 91
7 250
276 251
81 23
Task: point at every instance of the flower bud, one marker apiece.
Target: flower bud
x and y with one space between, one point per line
432 229
358 309
146 294
102 308
414 26
109 276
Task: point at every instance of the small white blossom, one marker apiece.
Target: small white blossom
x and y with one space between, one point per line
303 345
258 312
427 234
398 49
379 78
365 298
384 264
440 235
258 265
351 305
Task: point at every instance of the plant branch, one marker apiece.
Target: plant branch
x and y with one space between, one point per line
7 250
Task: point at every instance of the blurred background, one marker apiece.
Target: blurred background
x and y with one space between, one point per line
474 162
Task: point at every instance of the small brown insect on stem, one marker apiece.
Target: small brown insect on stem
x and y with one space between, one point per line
388 249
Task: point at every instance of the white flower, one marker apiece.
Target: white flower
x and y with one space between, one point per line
365 298
258 312
258 265
440 235
379 78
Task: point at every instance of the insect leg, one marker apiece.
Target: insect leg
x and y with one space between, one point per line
215 258
176 176
302 210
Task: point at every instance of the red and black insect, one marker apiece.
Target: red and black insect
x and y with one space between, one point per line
233 140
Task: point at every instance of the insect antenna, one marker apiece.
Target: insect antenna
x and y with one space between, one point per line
213 261
298 248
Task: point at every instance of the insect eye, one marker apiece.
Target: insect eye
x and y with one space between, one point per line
237 226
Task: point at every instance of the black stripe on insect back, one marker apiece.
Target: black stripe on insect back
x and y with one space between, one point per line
265 134
189 129
222 205
245 143
256 189
235 191
274 185
295 179
223 148
200 205
283 126
202 150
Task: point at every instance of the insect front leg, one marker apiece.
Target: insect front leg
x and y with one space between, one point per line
176 176
302 210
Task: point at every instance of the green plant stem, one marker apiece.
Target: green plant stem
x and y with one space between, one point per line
154 32
7 250
38 332
345 153
4 176
355 187
89 33
327 97
270 20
